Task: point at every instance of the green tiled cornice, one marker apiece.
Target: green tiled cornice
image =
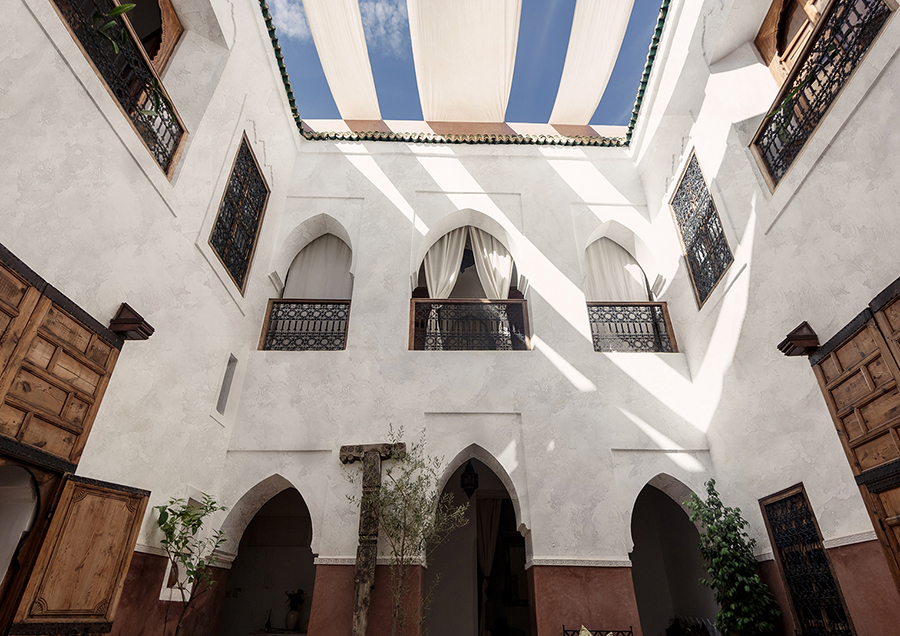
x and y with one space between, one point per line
433 138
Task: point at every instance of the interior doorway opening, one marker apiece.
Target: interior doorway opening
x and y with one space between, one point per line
274 558
667 567
482 588
18 508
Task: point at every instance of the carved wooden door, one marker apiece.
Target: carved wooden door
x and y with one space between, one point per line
858 373
80 570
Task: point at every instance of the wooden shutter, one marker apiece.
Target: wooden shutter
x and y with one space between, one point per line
80 571
858 373
56 363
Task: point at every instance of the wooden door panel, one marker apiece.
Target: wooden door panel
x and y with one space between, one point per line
18 298
81 568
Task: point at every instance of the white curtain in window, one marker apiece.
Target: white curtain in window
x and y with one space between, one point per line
493 264
613 274
321 271
442 262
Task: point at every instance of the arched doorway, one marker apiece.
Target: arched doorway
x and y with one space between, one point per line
667 566
483 589
274 557
18 507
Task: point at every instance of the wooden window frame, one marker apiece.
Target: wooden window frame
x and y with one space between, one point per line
684 250
241 287
784 494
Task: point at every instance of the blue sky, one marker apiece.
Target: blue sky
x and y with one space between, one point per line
543 39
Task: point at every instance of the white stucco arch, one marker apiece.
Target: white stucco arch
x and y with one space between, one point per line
474 451
462 218
304 234
244 509
674 488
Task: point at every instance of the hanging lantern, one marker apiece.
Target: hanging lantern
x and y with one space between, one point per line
468 481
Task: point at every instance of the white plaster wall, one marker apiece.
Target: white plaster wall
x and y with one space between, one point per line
577 433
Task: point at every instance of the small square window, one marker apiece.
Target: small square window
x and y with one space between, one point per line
240 216
703 240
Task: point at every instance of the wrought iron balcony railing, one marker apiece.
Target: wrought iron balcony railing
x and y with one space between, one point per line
468 325
631 327
118 57
305 325
843 36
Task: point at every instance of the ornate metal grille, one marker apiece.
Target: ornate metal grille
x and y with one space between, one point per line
846 34
128 75
240 215
705 246
814 592
630 327
469 325
303 325
599 632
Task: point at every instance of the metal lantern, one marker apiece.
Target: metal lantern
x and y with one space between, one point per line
468 481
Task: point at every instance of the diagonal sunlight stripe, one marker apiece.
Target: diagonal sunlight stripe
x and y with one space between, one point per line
573 375
365 163
680 459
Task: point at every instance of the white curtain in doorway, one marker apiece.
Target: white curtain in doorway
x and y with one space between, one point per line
18 504
612 274
493 264
321 271
442 262
487 515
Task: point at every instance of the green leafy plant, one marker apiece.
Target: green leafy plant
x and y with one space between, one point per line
413 519
747 606
189 552
108 28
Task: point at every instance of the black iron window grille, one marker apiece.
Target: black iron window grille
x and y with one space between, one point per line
240 215
306 325
122 63
469 325
599 632
818 606
845 34
705 246
631 327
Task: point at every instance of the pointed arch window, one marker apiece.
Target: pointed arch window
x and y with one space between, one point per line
314 310
621 312
473 275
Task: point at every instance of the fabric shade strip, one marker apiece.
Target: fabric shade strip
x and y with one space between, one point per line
598 29
464 53
337 30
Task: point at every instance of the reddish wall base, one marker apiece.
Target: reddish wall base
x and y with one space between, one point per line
598 598
868 587
332 605
141 613
768 572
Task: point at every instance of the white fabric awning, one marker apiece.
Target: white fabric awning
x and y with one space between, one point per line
597 32
337 30
464 53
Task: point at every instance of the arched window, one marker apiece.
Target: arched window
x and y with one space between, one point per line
620 310
314 310
475 274
612 274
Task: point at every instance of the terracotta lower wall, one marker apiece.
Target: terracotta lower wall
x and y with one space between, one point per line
598 598
868 588
141 613
332 605
768 572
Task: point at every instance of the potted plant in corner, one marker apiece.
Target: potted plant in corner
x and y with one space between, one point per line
295 602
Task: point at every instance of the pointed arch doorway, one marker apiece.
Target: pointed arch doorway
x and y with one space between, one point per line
273 557
483 589
666 562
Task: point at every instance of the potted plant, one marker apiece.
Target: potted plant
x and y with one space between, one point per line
295 602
